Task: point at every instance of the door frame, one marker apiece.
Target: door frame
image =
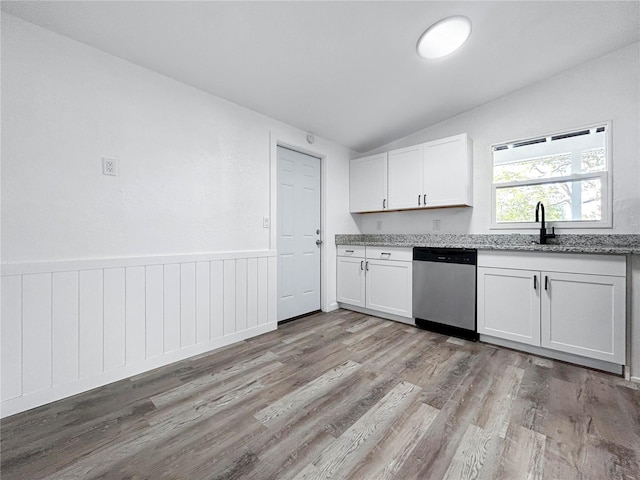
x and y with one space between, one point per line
296 141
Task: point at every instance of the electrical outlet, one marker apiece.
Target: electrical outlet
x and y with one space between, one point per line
109 166
436 224
265 222
379 225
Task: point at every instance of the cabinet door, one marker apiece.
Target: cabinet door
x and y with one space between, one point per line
405 178
585 315
389 287
368 184
351 281
509 304
446 172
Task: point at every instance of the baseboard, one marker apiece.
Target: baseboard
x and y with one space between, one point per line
565 357
375 313
332 307
37 399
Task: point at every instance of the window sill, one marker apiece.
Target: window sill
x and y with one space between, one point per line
560 225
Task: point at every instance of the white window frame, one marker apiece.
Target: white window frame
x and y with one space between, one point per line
606 179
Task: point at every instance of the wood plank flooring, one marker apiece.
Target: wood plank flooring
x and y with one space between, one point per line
339 395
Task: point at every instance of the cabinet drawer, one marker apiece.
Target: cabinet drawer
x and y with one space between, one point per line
351 251
402 254
614 265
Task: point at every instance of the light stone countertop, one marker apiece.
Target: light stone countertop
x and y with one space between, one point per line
618 244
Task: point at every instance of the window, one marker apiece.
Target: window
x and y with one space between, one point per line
568 172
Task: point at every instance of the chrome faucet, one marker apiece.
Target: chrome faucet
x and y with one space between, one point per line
543 230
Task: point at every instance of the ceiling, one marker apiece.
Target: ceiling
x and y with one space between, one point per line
346 71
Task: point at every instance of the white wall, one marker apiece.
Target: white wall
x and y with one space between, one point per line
194 169
195 181
607 88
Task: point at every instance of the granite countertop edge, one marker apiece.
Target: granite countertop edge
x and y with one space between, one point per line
525 248
506 243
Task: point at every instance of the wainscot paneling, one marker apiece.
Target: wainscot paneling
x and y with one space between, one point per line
71 326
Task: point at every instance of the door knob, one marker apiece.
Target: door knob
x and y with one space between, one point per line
318 242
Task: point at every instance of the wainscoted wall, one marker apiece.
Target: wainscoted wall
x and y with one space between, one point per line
71 326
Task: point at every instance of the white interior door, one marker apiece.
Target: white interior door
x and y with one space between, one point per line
298 233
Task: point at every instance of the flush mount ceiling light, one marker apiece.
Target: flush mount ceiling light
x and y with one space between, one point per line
444 37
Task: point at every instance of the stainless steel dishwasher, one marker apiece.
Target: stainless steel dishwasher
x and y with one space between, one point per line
444 290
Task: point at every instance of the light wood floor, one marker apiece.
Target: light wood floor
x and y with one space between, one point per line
339 395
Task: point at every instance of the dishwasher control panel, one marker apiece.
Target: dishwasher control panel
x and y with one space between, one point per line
445 255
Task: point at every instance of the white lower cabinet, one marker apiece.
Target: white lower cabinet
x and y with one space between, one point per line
351 281
584 315
376 278
572 303
509 304
389 287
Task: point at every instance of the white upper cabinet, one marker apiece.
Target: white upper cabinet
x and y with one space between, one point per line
447 172
405 178
368 184
429 175
432 174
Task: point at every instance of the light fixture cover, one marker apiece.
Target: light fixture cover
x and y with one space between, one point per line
444 37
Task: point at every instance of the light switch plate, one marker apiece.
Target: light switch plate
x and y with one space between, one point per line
110 166
265 222
436 224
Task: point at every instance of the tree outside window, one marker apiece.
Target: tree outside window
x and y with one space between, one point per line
567 173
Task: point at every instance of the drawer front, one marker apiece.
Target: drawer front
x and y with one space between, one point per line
351 251
401 254
613 265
